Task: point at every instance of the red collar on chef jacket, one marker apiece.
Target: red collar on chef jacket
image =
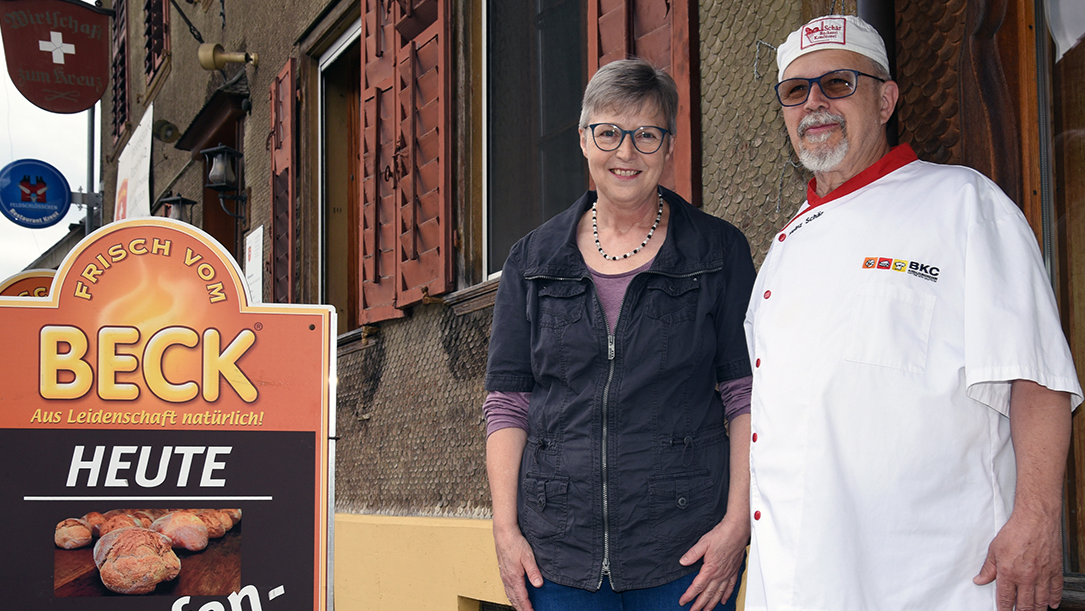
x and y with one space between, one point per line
897 157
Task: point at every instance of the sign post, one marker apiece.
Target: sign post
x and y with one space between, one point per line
144 392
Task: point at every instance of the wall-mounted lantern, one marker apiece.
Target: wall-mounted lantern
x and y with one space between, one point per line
168 203
223 176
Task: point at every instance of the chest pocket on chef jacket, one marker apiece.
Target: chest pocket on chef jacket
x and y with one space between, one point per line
890 326
672 299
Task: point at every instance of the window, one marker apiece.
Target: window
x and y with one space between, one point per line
1067 23
387 213
535 76
120 70
340 137
156 40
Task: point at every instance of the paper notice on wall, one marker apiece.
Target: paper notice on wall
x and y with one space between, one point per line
133 197
1066 20
254 268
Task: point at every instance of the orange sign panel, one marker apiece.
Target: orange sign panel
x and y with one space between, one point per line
31 283
162 436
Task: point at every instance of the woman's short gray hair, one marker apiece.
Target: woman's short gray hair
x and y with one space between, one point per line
626 85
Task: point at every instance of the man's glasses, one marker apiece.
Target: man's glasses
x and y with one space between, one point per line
834 85
608 137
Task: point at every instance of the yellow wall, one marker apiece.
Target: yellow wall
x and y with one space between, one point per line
385 563
436 564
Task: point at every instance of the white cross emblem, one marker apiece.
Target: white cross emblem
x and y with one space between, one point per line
56 46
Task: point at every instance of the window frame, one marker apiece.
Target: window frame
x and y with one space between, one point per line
351 35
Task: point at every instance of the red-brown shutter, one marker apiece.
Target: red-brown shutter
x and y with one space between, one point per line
283 113
120 69
664 32
156 39
377 222
424 198
406 230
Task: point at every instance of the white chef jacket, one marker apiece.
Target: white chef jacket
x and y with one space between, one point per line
885 328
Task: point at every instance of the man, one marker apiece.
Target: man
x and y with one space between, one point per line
912 386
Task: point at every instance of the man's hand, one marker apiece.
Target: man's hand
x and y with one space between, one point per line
1025 562
515 559
723 549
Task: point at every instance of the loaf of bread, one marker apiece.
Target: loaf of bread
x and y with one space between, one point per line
235 515
115 521
134 560
72 533
184 529
95 521
211 519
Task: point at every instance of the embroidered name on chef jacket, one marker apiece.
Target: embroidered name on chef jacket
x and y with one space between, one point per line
915 268
805 221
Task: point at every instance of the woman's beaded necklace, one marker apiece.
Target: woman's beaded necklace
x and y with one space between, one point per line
595 231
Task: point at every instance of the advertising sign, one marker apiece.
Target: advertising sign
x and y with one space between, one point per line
31 283
157 452
133 197
57 51
34 194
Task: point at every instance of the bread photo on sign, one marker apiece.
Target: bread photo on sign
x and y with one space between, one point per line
134 551
134 560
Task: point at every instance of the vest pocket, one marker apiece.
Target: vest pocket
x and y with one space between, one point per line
672 300
546 506
561 303
681 505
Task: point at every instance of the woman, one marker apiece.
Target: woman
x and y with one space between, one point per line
616 345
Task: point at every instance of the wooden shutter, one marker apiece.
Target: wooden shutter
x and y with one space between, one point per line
155 36
406 245
120 69
664 32
377 222
283 113
424 198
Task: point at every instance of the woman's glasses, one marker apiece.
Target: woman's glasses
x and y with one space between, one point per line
646 139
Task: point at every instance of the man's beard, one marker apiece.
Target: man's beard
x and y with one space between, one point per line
824 158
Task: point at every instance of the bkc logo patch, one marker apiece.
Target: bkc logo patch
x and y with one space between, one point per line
915 268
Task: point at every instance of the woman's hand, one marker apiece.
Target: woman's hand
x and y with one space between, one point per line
514 556
723 550
515 559
724 546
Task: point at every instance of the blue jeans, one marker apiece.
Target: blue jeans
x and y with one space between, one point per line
554 597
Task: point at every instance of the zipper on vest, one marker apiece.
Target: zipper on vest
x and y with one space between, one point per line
606 405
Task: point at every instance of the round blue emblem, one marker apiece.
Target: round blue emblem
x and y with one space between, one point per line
34 194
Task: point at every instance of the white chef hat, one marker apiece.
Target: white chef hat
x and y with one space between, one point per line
845 32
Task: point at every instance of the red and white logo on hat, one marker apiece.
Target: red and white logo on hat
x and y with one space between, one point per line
831 30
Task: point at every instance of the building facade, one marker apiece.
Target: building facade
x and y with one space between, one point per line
389 152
